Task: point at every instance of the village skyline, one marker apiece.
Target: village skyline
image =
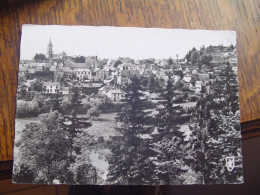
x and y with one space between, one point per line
136 43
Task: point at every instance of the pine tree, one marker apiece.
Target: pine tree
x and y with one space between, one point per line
56 102
169 142
130 162
75 128
216 132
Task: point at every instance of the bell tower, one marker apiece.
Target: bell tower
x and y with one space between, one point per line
49 50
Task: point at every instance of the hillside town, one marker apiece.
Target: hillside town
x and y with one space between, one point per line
128 121
100 78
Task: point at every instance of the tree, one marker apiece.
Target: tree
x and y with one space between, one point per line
56 102
151 85
80 59
205 59
37 86
199 141
215 136
129 162
231 88
216 131
39 57
188 55
44 150
54 144
43 102
27 109
21 79
169 142
76 102
170 61
194 58
202 50
66 105
94 112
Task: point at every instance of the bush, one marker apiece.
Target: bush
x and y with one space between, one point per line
84 108
109 107
179 100
185 118
24 109
193 98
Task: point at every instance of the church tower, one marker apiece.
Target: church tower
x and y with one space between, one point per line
49 50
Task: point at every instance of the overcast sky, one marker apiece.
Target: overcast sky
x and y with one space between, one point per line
114 42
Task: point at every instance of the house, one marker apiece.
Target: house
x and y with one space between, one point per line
39 68
92 61
23 87
67 72
64 90
97 75
109 81
83 73
62 55
33 65
53 68
114 95
233 60
124 76
51 87
147 73
72 65
198 86
218 58
203 76
31 71
124 66
187 78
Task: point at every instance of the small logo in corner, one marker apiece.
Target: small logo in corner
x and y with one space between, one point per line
230 163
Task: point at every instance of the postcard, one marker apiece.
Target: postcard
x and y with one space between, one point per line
125 105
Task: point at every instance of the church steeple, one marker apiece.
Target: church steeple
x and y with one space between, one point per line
49 50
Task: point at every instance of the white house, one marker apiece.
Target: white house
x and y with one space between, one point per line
83 73
198 86
204 76
114 95
187 78
51 87
233 60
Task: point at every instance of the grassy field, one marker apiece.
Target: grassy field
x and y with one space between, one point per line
104 125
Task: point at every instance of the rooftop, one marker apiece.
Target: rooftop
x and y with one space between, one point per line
51 83
115 91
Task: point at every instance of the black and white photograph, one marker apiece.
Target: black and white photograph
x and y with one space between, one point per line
128 106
